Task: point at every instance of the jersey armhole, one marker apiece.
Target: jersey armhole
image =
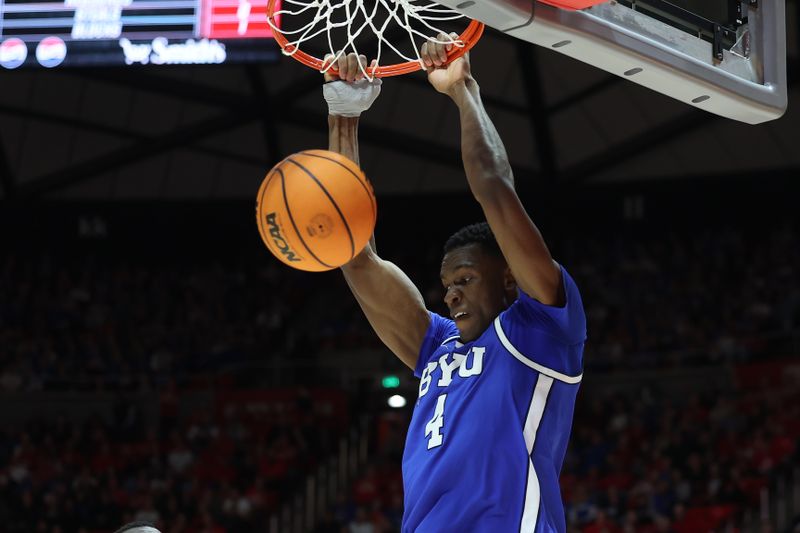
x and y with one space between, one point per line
569 320
530 363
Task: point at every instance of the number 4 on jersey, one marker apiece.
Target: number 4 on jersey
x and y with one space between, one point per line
434 427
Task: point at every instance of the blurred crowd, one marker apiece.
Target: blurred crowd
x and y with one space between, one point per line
650 463
210 471
94 322
121 323
638 462
707 297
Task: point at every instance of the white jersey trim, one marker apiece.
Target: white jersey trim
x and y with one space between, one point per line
448 339
528 362
530 512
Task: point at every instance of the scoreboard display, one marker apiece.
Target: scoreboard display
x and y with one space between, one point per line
36 33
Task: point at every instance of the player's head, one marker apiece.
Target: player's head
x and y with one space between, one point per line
138 527
478 283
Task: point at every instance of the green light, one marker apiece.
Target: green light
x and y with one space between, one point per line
390 382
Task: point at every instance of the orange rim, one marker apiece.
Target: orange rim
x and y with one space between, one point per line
469 37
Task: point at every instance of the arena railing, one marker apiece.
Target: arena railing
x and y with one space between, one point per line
302 511
779 508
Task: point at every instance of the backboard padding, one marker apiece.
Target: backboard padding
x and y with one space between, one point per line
649 52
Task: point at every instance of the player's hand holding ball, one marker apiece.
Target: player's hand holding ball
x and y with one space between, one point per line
316 210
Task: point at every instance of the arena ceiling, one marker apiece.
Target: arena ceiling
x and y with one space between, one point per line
213 132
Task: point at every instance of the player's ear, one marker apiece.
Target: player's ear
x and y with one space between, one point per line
509 286
509 283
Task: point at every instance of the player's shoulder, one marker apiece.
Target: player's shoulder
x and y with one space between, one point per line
567 322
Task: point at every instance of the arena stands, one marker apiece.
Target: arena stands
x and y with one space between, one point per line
197 388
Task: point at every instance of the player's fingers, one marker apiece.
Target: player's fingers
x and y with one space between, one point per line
424 54
342 64
344 71
453 37
373 67
352 66
433 56
441 48
330 73
362 63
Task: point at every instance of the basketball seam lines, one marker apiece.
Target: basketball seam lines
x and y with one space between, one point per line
291 218
371 198
321 186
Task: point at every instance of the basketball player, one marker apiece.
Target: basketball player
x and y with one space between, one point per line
138 527
499 376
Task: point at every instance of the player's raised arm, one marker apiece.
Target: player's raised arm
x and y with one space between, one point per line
391 302
491 179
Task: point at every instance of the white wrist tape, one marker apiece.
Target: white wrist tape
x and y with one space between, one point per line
351 99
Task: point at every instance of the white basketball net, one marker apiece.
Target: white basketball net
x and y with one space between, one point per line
335 14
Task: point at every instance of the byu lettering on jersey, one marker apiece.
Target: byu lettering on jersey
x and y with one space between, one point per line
490 427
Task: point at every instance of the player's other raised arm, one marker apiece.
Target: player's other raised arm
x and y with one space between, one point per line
392 304
492 181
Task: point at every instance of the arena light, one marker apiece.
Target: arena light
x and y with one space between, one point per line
390 382
396 401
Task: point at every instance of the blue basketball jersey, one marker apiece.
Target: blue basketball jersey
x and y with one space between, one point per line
493 416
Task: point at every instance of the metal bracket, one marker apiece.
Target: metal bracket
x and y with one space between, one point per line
720 35
735 12
717 43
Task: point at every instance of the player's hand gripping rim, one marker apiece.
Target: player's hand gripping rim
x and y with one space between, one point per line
350 67
442 75
348 89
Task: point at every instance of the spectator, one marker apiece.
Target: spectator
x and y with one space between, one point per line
360 523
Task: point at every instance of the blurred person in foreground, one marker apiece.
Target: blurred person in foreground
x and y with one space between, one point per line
138 527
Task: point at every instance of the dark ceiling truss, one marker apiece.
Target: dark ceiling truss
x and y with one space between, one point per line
116 159
636 146
537 112
271 108
239 115
121 133
266 109
587 92
501 104
178 88
379 137
656 137
240 110
243 108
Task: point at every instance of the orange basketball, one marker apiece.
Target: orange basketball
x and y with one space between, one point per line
316 210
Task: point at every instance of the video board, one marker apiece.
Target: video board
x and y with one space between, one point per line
36 33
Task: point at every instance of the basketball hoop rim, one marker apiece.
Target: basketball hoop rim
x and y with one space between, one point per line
471 35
